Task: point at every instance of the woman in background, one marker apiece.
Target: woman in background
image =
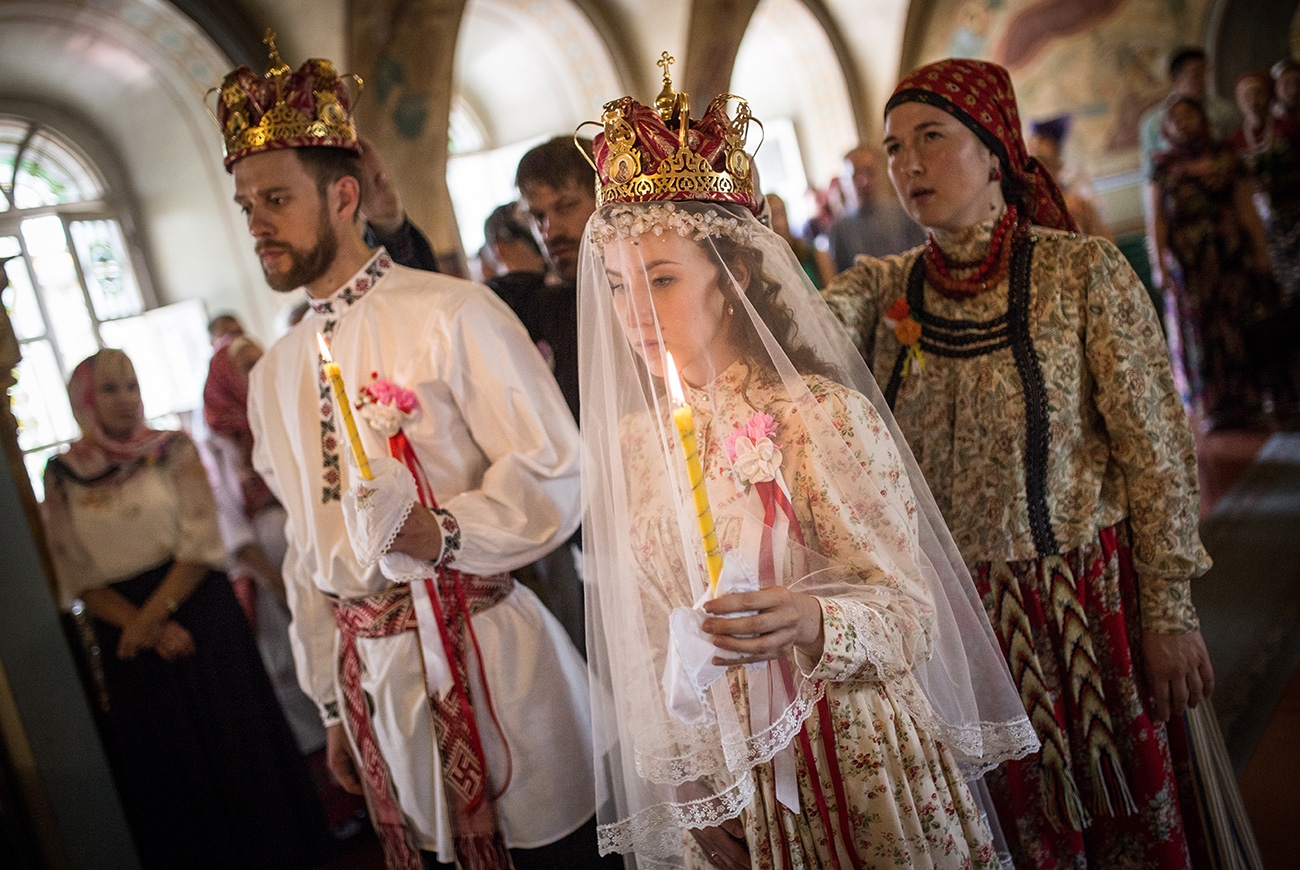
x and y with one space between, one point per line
206 767
1210 257
252 525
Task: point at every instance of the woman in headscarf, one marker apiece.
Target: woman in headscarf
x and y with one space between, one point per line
252 525
812 688
205 765
1025 366
1211 260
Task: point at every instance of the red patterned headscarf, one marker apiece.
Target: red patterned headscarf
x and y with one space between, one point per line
979 94
225 395
225 410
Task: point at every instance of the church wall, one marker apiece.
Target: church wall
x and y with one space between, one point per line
1103 61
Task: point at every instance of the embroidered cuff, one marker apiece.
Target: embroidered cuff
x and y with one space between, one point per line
450 536
329 714
1167 605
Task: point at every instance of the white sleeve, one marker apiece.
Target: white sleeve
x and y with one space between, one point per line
529 500
74 569
311 629
223 474
312 635
199 539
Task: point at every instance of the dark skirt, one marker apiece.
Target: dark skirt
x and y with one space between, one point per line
206 766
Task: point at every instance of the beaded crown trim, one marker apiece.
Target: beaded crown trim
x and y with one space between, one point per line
632 220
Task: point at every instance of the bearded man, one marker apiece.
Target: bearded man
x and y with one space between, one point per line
450 696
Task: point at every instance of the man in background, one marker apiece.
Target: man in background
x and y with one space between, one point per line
557 190
873 225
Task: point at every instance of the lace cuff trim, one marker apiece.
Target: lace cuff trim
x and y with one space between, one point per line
397 528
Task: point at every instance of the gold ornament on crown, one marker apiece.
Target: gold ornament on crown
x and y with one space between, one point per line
329 122
684 171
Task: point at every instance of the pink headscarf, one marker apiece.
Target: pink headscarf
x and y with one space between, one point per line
96 452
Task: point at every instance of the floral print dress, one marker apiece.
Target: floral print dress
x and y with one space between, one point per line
907 802
1044 417
1213 291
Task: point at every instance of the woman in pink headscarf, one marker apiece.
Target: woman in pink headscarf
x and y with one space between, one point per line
205 765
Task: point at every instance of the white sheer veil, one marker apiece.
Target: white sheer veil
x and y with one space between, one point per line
643 556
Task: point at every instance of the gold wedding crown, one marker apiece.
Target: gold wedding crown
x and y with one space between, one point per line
284 108
660 154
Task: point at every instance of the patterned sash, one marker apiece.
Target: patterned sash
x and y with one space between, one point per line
456 597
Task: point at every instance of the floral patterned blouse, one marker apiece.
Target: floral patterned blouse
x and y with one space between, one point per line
1058 420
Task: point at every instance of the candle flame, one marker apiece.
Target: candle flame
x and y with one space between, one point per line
674 381
324 348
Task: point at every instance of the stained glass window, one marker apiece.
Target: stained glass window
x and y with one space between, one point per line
73 288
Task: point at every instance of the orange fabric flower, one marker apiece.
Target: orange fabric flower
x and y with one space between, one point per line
908 331
898 310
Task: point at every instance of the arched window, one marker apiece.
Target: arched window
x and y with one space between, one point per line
74 276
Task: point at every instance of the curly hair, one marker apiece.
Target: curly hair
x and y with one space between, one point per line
730 256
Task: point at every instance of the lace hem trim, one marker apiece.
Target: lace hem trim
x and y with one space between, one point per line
656 831
978 746
671 753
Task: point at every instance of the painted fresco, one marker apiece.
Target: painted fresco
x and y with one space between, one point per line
1103 61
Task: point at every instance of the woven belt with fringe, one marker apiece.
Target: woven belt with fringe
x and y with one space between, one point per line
456 597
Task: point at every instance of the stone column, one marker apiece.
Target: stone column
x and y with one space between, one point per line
713 37
404 50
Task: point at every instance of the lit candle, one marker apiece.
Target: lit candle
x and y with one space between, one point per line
695 474
340 394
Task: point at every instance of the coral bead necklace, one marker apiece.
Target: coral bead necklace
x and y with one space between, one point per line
1008 233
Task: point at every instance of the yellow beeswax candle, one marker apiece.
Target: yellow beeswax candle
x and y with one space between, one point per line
345 410
685 423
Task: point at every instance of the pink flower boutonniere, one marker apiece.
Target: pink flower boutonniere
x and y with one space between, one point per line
754 456
385 406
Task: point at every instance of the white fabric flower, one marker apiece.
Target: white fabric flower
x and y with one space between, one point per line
756 461
387 420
